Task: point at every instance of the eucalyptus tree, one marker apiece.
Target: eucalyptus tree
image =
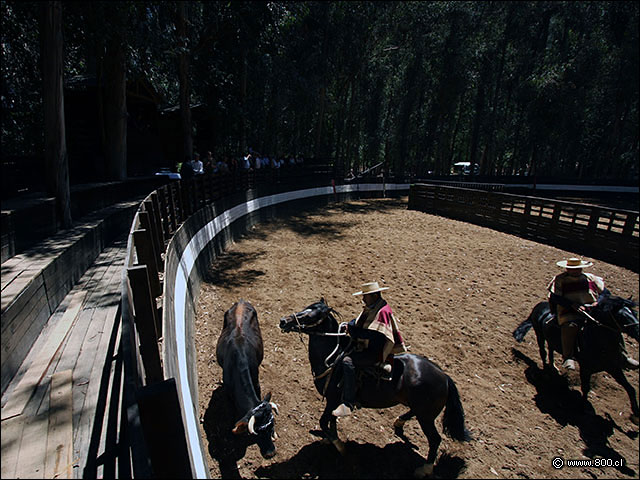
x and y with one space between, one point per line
55 146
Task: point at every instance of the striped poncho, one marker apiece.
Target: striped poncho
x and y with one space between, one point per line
379 318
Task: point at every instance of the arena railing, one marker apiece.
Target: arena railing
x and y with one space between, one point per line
604 233
177 232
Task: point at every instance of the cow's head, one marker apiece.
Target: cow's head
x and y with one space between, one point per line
259 421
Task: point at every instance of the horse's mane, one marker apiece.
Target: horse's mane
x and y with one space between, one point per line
330 310
612 303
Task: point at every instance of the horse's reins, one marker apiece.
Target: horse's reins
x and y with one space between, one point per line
327 373
619 329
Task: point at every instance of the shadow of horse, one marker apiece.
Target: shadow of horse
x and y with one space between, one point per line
363 460
567 407
225 447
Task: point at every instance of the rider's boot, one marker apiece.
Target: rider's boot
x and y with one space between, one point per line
568 334
628 361
342 410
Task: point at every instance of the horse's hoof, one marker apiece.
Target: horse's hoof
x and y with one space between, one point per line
340 446
425 470
634 419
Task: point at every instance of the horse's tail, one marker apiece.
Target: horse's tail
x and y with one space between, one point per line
522 329
453 418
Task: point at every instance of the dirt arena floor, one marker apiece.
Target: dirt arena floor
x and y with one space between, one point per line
458 291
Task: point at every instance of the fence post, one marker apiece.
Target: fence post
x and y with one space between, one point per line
164 212
556 213
526 217
593 220
145 317
629 224
172 207
144 250
163 427
185 189
147 224
157 218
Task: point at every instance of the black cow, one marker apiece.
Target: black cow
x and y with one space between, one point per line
239 352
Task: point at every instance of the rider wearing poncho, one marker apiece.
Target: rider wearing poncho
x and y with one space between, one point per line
377 338
574 292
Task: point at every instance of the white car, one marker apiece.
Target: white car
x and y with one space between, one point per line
169 173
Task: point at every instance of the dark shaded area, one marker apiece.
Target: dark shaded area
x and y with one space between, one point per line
362 460
228 270
567 407
225 447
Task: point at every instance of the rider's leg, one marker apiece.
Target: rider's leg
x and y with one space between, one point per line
348 388
364 358
628 361
568 334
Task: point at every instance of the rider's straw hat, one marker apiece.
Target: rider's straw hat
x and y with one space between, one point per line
573 263
372 287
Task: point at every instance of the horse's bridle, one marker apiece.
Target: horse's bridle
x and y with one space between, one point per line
618 328
330 367
302 327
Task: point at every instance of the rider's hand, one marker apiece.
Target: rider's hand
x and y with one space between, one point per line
350 326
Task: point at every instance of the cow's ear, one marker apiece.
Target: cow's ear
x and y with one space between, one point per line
241 427
322 300
267 399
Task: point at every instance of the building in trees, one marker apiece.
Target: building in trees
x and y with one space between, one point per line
84 108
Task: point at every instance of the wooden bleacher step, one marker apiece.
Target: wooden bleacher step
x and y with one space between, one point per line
24 390
58 456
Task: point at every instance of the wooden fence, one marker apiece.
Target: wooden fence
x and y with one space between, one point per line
180 226
604 233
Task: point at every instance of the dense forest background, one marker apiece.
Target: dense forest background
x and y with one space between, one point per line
544 88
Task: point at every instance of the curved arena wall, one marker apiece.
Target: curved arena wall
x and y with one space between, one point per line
189 254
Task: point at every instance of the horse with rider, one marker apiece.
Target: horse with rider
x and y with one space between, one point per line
585 323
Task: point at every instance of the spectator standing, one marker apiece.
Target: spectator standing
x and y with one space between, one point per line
186 169
232 163
209 164
222 167
246 162
198 167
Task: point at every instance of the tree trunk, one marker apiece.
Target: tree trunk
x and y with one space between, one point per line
406 110
479 115
185 83
243 97
116 109
55 144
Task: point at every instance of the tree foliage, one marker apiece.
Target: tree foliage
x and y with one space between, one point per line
549 88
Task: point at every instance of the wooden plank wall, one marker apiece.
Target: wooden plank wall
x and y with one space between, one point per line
35 282
604 233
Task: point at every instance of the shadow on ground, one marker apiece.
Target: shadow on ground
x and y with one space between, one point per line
566 406
228 271
225 447
362 460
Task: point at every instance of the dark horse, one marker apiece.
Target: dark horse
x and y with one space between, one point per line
416 382
598 344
